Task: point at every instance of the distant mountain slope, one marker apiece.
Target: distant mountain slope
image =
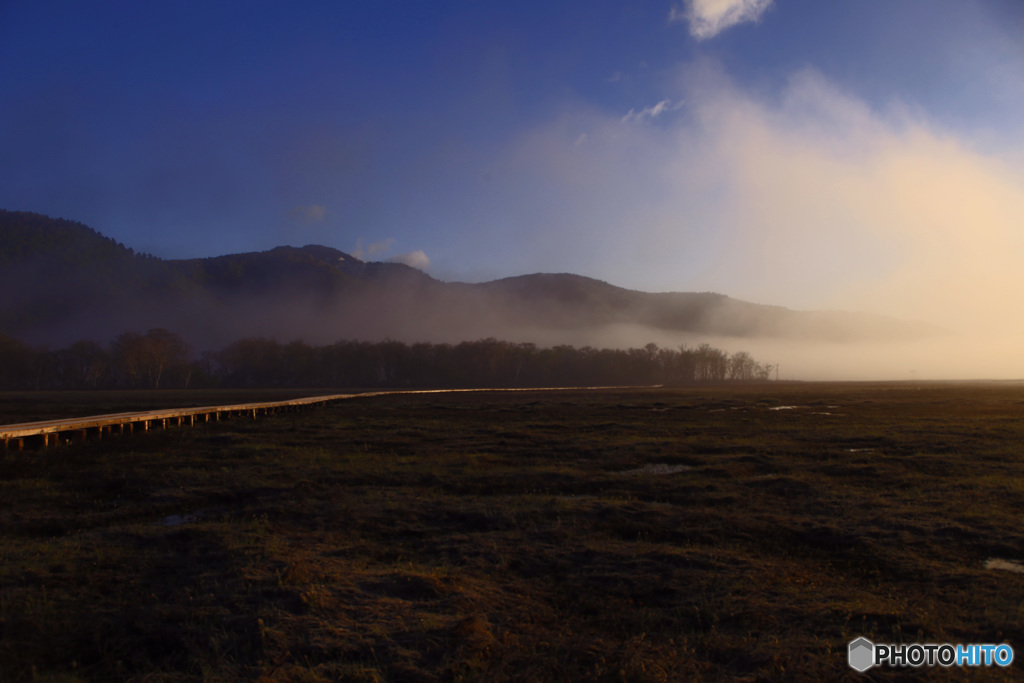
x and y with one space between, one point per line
572 300
58 276
62 281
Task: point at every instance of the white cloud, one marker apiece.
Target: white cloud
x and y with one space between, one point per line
415 259
647 112
708 18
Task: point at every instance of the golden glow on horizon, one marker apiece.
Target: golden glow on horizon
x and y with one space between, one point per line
814 201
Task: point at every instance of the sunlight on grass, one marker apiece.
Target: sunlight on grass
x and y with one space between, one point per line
631 536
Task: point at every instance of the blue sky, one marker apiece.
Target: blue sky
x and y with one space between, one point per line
858 154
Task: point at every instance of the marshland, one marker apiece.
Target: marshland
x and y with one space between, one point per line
650 534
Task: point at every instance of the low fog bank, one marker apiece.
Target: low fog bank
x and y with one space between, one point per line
206 327
947 357
939 357
311 295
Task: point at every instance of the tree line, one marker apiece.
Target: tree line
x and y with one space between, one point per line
160 359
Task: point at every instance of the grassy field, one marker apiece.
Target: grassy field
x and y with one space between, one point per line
734 533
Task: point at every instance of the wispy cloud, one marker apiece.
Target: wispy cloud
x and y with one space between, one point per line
708 18
416 259
651 112
808 198
881 211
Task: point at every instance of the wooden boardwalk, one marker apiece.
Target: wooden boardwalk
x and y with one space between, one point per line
53 432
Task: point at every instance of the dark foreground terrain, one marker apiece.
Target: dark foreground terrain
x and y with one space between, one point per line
743 533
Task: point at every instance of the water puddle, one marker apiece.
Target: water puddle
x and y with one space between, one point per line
1005 565
658 468
178 520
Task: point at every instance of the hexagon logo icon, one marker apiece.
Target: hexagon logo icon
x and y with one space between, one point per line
862 654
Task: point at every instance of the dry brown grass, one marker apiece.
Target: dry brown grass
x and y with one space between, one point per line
648 535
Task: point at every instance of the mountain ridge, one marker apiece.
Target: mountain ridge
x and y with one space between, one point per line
83 284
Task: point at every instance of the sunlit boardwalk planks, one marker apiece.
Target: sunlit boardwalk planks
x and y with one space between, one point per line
52 432
48 432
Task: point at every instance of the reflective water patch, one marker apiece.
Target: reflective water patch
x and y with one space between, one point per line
178 520
658 468
1005 565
